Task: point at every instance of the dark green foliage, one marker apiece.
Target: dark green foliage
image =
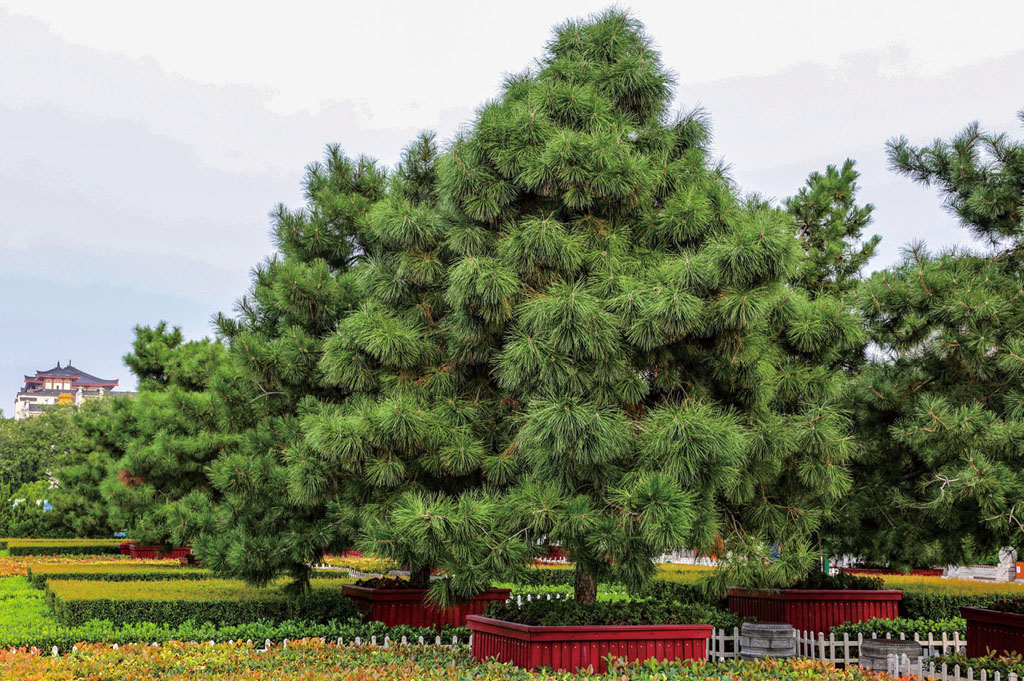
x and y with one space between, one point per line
29 448
106 631
63 549
941 412
830 226
1012 605
570 612
937 606
903 625
253 521
151 354
584 334
161 442
843 580
667 592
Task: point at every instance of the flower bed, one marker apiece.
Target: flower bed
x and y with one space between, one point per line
314 659
816 610
997 631
18 565
405 606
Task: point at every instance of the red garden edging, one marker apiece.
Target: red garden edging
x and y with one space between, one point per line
991 629
871 572
580 647
815 610
394 607
157 551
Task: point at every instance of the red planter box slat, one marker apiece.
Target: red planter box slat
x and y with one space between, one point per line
815 610
580 647
991 629
406 606
157 551
876 572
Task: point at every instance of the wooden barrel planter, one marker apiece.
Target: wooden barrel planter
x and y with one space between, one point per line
762 639
874 652
394 607
815 610
1000 632
582 647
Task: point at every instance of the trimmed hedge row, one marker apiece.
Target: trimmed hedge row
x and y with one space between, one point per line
174 602
902 625
49 547
25 621
647 611
38 575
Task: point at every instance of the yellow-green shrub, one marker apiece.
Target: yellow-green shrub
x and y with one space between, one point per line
223 601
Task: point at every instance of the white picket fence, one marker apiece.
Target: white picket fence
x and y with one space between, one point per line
846 649
724 645
925 668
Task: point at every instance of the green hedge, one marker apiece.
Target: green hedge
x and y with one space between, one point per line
49 547
38 575
940 606
173 602
570 613
902 625
25 620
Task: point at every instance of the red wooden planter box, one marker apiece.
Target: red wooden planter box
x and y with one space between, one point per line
575 648
406 606
125 548
157 551
876 572
991 629
815 609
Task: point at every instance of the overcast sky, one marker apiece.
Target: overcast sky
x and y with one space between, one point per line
142 144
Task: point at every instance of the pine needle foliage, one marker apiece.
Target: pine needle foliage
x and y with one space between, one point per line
567 327
831 226
942 414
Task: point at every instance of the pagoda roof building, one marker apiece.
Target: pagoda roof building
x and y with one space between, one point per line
79 379
60 385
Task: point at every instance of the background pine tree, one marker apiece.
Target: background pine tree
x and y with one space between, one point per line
160 442
941 413
830 225
248 525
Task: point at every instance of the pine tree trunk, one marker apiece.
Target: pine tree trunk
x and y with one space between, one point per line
585 587
419 578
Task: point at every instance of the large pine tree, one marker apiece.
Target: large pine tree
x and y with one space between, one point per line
941 413
581 332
